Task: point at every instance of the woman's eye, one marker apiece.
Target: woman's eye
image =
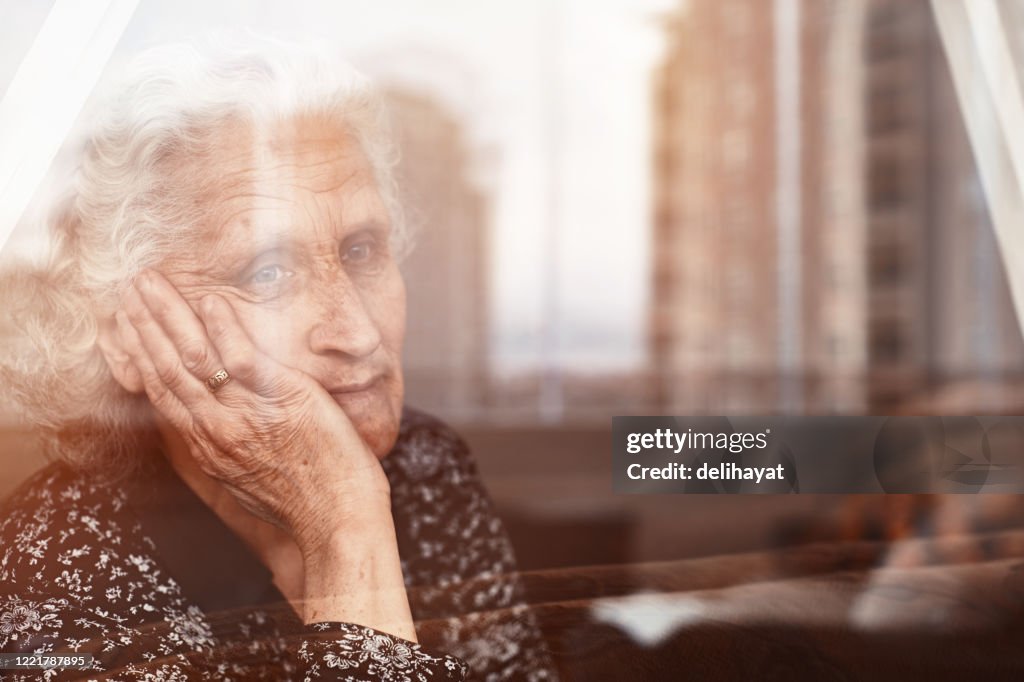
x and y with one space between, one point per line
268 274
361 252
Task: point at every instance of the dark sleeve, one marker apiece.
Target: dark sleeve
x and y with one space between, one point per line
339 650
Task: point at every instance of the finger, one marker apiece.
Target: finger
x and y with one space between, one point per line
162 398
242 359
163 356
185 331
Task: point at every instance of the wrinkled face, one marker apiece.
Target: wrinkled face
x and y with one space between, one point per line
297 241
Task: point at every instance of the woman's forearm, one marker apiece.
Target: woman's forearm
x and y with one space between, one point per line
355 576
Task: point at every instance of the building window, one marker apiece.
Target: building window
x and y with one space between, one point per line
887 341
887 266
888 184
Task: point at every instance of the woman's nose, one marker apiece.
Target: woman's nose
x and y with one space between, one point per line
345 325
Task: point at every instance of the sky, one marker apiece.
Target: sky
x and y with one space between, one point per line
555 98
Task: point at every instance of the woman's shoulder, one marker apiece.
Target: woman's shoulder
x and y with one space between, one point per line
57 486
53 486
428 448
56 510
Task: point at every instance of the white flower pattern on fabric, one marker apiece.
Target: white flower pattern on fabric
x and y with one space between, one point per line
18 618
80 572
390 658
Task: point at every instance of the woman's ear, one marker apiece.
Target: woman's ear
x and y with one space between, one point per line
120 363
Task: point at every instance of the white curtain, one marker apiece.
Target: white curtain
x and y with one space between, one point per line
984 43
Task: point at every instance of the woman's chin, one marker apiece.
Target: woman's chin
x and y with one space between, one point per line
376 416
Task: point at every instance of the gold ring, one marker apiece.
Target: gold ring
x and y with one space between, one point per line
219 378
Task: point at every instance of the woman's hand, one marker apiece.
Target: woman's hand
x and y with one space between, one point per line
272 435
277 440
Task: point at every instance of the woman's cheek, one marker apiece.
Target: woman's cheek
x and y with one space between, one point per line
392 311
276 331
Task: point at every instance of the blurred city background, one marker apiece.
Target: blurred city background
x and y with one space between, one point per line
663 207
838 260
814 238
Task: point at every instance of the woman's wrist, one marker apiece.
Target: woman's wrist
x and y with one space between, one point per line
358 523
348 517
355 576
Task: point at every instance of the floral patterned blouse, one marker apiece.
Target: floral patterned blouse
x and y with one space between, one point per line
148 579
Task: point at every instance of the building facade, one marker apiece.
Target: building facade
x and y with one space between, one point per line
822 244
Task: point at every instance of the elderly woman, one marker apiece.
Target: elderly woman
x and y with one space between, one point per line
214 355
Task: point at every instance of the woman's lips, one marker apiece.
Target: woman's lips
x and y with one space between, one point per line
355 388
